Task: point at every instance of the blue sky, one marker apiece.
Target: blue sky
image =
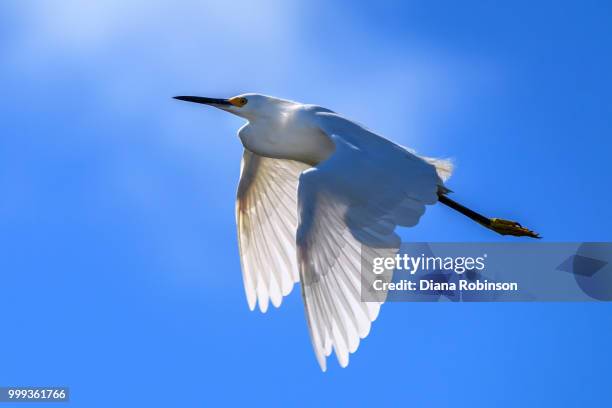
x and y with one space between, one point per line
119 269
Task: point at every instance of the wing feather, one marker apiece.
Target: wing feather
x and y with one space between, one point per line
266 218
349 207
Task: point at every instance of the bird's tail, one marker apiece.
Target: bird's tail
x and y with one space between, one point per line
444 167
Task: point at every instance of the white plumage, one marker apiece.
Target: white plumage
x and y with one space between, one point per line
266 218
316 190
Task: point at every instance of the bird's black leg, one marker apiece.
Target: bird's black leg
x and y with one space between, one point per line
501 226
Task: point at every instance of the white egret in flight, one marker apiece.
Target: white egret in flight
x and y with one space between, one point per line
316 189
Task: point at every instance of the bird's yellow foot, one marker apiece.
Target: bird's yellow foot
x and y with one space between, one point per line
506 227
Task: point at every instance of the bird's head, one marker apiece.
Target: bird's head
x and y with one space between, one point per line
249 106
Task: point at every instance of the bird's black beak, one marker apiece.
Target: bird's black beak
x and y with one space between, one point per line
204 100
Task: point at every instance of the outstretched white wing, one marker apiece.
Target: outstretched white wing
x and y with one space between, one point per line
266 216
349 205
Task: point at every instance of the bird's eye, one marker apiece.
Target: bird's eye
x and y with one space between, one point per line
238 102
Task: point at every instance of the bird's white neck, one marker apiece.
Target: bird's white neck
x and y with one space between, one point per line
290 133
